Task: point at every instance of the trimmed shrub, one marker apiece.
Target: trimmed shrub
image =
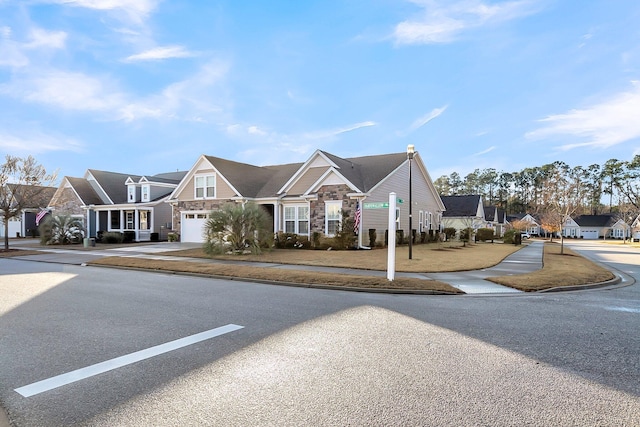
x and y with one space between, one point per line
509 236
112 237
484 234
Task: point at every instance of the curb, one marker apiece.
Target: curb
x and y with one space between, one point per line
587 286
279 283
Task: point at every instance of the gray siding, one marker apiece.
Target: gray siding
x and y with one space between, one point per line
423 200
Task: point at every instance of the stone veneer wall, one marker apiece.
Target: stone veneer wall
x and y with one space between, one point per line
67 202
329 193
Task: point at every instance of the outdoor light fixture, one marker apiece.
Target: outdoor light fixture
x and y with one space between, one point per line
410 153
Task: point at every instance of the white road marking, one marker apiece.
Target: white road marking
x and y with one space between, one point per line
623 309
118 362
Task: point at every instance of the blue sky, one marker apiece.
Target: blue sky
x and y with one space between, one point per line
145 87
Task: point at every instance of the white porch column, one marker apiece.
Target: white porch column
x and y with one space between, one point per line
136 219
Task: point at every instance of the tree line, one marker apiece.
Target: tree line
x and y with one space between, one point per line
613 187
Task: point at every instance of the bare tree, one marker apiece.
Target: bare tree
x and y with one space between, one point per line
562 196
22 181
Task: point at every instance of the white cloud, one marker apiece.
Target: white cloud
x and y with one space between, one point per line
159 53
34 142
61 89
200 95
418 123
194 99
17 54
135 10
483 152
603 125
442 21
330 133
43 38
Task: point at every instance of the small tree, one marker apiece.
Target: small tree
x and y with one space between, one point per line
237 228
552 222
345 237
450 232
22 182
61 230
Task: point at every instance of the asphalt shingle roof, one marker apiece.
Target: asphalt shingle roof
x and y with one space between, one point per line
595 220
85 191
460 205
265 181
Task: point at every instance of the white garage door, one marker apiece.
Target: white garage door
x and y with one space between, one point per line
192 225
590 234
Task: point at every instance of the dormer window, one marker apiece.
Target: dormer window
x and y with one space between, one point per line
146 193
131 193
205 186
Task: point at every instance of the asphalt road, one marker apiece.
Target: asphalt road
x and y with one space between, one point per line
314 357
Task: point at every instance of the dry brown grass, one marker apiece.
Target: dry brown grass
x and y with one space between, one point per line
431 258
17 252
298 277
558 270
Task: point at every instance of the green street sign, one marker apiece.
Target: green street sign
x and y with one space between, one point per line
400 201
378 205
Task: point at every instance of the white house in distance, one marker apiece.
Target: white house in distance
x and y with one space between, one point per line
304 198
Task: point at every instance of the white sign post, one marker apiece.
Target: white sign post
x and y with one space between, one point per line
391 249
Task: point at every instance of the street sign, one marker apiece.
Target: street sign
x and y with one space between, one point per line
379 205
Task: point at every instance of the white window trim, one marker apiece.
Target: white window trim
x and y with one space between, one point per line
131 193
146 187
326 216
296 218
204 191
421 222
397 218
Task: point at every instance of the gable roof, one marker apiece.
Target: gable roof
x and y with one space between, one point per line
461 205
247 179
85 191
41 199
268 181
595 220
490 213
113 184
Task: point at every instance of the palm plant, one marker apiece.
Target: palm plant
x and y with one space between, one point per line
61 230
237 228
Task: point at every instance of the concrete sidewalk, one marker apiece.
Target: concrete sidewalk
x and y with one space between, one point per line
527 259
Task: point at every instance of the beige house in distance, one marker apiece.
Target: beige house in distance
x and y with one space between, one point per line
304 198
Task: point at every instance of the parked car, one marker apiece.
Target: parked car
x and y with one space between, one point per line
525 235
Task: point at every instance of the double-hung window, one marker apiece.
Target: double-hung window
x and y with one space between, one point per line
145 193
296 219
333 217
131 193
420 222
205 186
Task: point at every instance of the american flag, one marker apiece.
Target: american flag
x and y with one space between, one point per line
356 223
40 215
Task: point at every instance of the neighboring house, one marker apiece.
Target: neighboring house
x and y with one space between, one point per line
496 219
570 228
635 228
602 227
110 201
24 225
304 198
502 221
462 212
533 227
